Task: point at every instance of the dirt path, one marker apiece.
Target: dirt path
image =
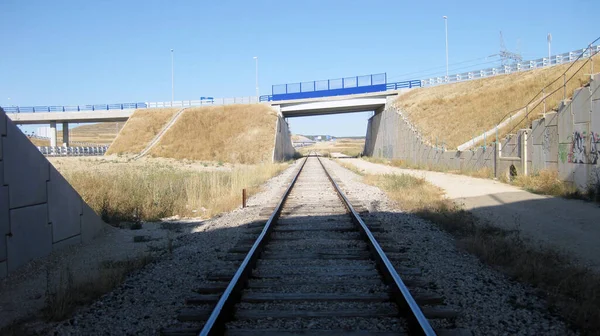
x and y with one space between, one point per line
570 225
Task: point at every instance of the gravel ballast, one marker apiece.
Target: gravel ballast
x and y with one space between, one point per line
490 304
151 298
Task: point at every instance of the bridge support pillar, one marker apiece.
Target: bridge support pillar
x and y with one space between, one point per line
53 134
65 131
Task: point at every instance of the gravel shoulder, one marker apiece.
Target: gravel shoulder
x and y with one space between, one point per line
150 298
571 226
489 302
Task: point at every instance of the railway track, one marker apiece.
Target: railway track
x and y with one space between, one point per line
314 269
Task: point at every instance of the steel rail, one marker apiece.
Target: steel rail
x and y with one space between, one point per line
224 310
417 322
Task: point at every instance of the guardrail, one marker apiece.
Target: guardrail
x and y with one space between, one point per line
403 85
73 108
516 67
72 151
205 102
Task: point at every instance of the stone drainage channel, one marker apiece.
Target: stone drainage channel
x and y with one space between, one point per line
316 268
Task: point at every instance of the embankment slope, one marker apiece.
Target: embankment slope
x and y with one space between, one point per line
230 133
454 113
140 129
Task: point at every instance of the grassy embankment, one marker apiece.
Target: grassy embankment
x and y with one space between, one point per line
455 113
230 133
97 134
121 191
570 290
140 129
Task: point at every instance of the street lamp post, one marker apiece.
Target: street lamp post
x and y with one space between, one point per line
256 59
549 46
172 79
446 24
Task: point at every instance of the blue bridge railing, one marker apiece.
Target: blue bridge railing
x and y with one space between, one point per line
73 108
336 87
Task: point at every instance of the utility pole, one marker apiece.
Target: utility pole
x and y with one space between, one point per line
549 45
172 79
257 95
446 24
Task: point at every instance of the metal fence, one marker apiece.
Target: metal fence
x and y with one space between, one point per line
72 151
73 108
516 67
328 87
206 102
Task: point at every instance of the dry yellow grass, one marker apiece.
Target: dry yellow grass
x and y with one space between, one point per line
350 147
99 134
231 133
454 113
546 182
140 129
122 191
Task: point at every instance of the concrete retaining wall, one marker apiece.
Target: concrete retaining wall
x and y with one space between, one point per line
567 141
283 149
39 210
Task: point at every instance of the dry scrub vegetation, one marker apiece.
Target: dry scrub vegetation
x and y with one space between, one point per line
544 182
140 129
455 113
122 192
347 146
484 172
570 290
230 133
98 134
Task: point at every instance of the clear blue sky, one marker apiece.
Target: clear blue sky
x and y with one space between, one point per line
90 52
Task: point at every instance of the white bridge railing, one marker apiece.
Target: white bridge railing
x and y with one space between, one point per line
73 151
206 102
516 67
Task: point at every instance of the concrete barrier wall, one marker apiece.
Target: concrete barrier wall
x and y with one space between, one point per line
283 150
567 141
39 210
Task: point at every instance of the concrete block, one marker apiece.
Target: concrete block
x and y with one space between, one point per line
4 221
31 235
479 159
66 242
565 122
64 207
580 176
595 87
537 159
581 105
3 122
595 117
3 269
551 119
25 169
552 166
550 144
91 224
537 131
579 148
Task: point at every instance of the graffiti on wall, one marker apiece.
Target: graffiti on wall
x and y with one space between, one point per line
577 154
584 148
563 152
594 147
